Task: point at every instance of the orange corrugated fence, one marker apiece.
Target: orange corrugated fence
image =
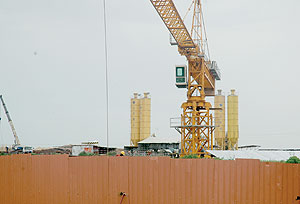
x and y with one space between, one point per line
59 179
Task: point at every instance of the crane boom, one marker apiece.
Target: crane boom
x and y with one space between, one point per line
16 141
171 18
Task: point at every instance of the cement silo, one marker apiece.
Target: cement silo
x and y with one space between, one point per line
135 120
145 116
233 121
220 120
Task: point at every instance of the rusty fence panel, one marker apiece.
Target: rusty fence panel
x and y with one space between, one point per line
60 179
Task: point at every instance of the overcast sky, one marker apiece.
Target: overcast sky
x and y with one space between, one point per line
52 68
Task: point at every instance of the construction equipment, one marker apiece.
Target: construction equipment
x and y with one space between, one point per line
219 133
16 138
233 121
140 118
196 126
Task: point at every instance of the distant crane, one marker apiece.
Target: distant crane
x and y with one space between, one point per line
16 138
196 126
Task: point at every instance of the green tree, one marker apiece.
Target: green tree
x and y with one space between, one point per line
293 160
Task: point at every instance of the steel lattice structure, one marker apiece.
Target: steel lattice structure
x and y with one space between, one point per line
196 126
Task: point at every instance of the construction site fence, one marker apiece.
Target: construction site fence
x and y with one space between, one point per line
60 179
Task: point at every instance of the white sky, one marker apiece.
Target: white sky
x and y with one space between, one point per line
52 68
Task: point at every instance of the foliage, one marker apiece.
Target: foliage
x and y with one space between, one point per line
86 154
281 161
217 158
3 153
190 156
293 160
112 153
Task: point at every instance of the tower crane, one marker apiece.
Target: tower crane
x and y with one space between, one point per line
196 125
16 138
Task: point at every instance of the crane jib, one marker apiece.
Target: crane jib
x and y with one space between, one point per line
171 18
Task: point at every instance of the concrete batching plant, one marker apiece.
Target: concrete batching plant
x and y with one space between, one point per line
233 121
227 141
135 120
220 120
140 118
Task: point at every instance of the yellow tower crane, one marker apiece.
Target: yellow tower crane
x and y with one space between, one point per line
196 125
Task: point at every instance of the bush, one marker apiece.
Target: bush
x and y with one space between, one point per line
86 154
112 153
293 160
3 153
190 156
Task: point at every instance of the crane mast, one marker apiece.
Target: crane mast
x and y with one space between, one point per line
196 126
16 138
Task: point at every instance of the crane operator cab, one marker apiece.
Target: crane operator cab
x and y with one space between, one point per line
181 77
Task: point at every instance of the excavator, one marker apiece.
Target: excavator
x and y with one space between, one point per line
16 147
196 122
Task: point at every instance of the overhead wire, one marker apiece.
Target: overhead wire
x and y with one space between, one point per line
106 84
106 76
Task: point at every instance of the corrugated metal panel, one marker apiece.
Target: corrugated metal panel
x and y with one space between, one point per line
80 180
